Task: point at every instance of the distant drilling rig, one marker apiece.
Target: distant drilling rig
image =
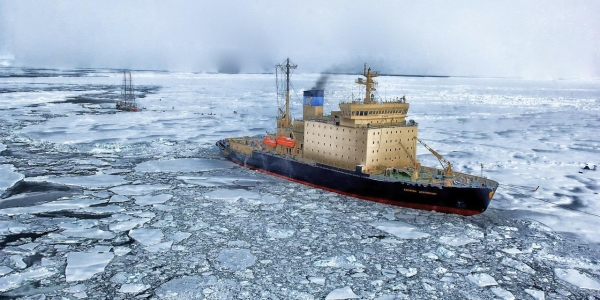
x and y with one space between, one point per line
127 101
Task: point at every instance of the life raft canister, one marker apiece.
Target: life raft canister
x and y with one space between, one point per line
285 141
270 141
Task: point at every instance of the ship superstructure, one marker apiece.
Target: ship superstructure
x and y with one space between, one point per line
366 149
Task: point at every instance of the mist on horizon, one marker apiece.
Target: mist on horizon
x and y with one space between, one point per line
533 39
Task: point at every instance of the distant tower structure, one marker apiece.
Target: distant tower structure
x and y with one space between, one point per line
127 101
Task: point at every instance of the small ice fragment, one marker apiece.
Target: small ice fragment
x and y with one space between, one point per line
236 259
5 270
8 177
577 278
146 237
517 265
139 189
317 280
456 241
183 165
536 294
279 233
18 261
502 293
341 293
84 265
118 199
149 200
482 279
399 229
160 247
512 250
15 280
133 288
407 272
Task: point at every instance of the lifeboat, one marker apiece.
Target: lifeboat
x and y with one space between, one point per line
285 141
270 141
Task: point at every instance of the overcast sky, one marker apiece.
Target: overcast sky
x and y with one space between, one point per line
532 39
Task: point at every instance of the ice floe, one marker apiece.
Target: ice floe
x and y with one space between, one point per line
8 177
482 279
84 265
400 229
149 200
342 293
577 278
235 259
183 165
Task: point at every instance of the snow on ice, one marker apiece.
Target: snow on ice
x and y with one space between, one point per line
144 206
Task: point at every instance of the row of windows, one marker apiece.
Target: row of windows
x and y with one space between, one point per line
336 128
373 112
388 132
390 150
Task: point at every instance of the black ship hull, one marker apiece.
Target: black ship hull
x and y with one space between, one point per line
448 199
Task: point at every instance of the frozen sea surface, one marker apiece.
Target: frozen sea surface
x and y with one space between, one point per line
102 204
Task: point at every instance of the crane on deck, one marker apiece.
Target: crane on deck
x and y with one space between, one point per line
446 165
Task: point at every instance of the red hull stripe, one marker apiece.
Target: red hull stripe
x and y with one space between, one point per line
444 209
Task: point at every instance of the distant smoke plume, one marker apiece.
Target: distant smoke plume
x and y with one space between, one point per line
321 82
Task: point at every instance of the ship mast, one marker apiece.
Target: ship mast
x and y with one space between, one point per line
369 84
287 121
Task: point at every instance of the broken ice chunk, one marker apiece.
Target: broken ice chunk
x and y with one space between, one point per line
133 288
149 200
84 265
502 293
482 279
183 165
341 293
399 229
236 259
146 237
456 241
536 294
577 278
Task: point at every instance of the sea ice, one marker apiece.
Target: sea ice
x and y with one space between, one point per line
341 293
84 265
146 237
482 279
14 280
280 233
183 165
67 205
345 262
236 259
536 294
133 288
149 200
577 278
456 241
8 177
139 189
232 195
128 224
99 180
399 229
502 293
160 247
517 265
90 233
118 199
